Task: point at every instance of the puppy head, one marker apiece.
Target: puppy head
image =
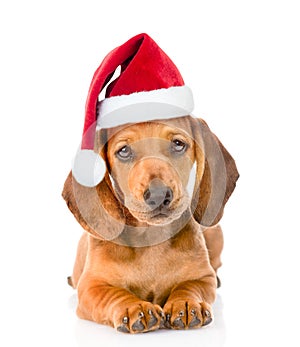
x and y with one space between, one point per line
148 170
150 165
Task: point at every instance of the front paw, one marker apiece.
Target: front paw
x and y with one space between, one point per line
187 314
139 317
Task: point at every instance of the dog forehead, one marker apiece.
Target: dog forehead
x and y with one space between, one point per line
153 129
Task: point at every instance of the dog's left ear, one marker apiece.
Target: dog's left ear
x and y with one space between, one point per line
215 178
96 208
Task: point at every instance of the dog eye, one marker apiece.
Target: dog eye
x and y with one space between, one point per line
125 153
178 146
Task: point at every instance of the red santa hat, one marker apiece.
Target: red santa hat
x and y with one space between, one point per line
149 87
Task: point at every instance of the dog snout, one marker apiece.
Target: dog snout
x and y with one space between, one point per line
158 194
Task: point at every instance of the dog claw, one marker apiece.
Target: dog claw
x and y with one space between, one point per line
123 329
195 321
138 326
178 323
167 321
208 321
163 319
207 314
152 322
208 318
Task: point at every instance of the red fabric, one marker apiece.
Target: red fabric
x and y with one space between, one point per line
144 67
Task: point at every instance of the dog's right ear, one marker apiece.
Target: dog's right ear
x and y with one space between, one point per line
95 208
216 175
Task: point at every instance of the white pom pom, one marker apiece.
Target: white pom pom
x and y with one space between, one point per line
88 168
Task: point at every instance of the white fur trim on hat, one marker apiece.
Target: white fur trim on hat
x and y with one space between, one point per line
139 107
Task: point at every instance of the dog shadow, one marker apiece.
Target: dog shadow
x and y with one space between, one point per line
91 334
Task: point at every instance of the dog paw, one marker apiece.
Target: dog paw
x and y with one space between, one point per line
139 317
187 314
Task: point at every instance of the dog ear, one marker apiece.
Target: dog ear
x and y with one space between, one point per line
96 208
215 178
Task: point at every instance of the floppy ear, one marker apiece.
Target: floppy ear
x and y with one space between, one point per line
95 208
216 175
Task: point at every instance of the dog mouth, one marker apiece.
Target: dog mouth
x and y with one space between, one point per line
156 219
161 215
161 219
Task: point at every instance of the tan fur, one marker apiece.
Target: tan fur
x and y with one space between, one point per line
170 283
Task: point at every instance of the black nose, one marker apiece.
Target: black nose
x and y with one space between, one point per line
158 194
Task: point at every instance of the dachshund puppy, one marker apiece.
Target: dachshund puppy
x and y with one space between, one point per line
151 251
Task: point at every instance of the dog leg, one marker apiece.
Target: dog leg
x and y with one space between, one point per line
79 262
214 243
189 304
117 307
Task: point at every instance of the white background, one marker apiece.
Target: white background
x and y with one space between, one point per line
241 59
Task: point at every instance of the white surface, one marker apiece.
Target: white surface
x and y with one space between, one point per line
241 59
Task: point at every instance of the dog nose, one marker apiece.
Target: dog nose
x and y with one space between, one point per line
158 195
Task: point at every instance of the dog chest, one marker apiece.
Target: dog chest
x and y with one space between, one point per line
150 272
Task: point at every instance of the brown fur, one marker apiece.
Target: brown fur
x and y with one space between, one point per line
172 282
